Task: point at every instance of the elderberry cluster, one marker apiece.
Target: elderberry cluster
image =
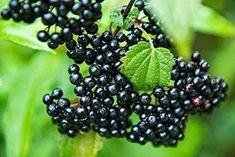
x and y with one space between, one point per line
198 91
62 18
160 125
96 106
194 91
110 99
68 118
106 93
105 99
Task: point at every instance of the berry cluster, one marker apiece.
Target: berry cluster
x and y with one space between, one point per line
106 94
161 125
68 17
105 99
198 92
69 119
110 100
193 91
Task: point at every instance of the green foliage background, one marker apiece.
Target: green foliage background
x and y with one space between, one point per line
27 71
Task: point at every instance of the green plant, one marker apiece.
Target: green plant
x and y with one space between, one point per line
180 45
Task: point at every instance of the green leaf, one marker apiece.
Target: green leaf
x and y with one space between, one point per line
3 3
182 18
20 33
208 21
20 109
224 54
128 22
23 34
147 67
118 20
116 17
134 13
86 145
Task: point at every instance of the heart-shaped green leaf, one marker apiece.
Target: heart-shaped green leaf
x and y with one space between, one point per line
147 67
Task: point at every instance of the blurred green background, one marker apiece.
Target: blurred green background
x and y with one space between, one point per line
26 74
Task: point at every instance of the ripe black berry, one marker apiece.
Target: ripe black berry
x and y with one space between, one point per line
47 99
57 93
43 36
48 19
6 14
158 92
145 99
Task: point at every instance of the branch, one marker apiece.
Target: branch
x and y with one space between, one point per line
125 14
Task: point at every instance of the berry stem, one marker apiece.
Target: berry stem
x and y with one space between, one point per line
125 14
47 29
147 35
110 26
75 102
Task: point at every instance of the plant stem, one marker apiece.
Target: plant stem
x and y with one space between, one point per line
148 36
125 14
